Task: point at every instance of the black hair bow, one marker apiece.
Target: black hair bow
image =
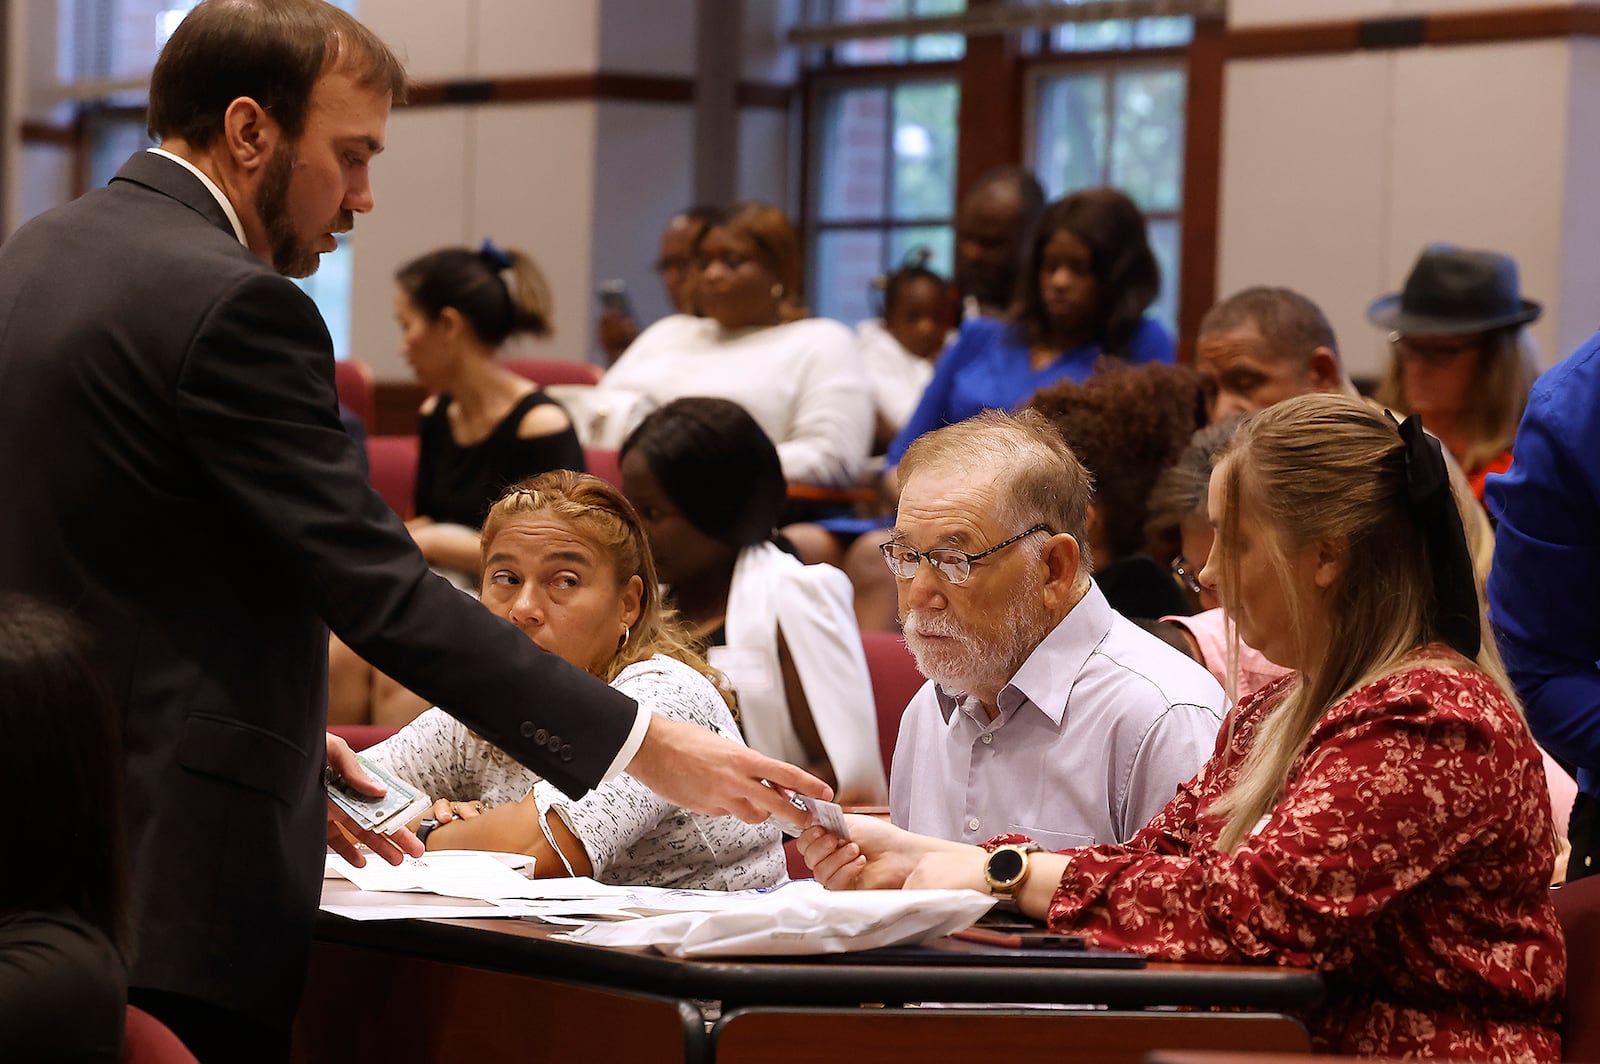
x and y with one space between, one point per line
1455 588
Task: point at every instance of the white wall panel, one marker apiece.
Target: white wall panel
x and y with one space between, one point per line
1478 166
433 48
531 179
1304 164
764 165
421 187
1579 312
637 139
648 36
536 37
1286 12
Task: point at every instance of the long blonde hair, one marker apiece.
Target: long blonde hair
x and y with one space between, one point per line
598 511
1327 468
1507 368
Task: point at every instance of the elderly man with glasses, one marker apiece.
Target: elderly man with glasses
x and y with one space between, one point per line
1046 712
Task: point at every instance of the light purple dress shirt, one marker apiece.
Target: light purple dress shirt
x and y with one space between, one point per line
1096 731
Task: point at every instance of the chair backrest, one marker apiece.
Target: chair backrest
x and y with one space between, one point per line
361 736
146 1040
894 680
357 390
603 464
1578 908
392 470
553 370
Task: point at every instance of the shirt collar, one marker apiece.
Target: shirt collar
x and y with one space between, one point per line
1047 676
211 187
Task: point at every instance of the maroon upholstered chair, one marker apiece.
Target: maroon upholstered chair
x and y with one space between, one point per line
1578 909
146 1040
603 464
392 470
357 390
553 370
894 680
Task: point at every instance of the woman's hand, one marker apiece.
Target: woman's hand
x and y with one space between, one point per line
878 856
445 810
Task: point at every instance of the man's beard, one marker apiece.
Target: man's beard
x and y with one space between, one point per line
961 662
291 256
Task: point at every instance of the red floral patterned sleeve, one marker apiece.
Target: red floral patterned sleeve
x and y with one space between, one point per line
1401 782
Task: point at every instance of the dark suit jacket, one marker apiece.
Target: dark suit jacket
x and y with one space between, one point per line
173 469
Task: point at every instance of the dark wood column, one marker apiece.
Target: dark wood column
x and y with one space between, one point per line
1202 173
990 119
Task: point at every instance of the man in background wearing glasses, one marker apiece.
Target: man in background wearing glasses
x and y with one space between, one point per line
1046 712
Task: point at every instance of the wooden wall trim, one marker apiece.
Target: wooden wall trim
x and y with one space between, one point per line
46 133
1502 25
548 88
1202 180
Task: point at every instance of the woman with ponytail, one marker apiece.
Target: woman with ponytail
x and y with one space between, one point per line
1379 815
484 428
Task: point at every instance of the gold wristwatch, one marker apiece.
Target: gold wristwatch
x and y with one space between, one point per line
1007 868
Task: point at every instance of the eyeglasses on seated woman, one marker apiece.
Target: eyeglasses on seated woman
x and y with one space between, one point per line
565 560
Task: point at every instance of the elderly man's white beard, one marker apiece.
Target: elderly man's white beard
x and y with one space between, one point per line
961 662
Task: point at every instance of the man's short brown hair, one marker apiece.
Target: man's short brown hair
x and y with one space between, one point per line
1291 326
272 51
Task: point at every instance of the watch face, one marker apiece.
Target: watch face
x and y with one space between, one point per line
1005 865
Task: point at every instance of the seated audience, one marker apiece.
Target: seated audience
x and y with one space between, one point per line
1126 425
484 427
799 377
1262 345
1178 506
899 348
565 560
993 222
1046 712
675 267
1460 360
1379 816
707 482
63 917
1089 278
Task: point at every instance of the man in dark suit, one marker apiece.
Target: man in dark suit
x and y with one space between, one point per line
173 470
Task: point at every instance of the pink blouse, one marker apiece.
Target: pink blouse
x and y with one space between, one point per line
1408 860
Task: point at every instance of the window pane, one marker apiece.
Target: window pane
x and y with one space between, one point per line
329 288
881 50
1103 36
938 46
1147 153
1167 31
925 149
1164 242
1071 146
110 145
852 149
939 239
847 263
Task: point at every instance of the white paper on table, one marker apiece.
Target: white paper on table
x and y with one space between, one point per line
454 874
802 918
333 867
392 905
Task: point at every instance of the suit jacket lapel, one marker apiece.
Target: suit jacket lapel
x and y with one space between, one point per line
171 180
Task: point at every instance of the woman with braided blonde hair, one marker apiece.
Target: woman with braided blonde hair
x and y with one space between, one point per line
1379 815
565 559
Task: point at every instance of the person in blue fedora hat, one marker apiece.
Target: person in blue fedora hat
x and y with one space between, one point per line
1459 357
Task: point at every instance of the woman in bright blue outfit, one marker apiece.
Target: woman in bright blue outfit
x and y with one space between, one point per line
1085 288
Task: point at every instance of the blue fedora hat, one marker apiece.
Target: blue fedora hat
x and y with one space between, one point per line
1452 291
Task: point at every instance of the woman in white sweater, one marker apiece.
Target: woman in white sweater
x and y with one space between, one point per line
799 377
707 484
565 560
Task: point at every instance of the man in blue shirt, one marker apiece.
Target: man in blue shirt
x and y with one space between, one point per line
1544 589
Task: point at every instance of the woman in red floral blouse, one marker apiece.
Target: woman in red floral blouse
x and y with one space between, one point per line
1380 815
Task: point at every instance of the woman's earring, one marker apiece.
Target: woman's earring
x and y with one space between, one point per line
627 630
777 292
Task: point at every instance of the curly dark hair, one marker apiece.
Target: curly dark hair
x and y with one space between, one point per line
1112 228
1126 424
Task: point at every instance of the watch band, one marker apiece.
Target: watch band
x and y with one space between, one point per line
425 828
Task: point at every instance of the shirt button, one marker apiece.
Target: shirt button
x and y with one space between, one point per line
540 736
972 825
526 729
988 737
566 751
554 745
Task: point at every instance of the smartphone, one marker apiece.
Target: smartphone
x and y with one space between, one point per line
614 298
